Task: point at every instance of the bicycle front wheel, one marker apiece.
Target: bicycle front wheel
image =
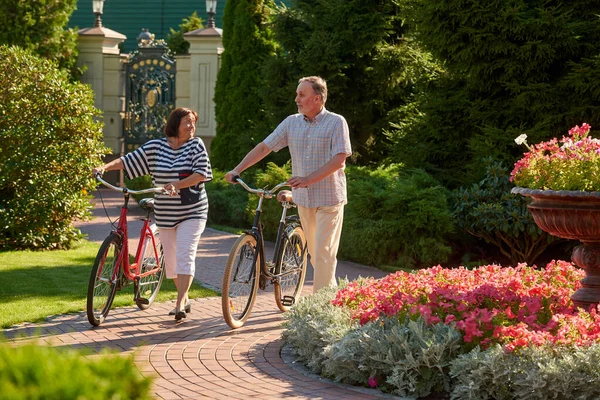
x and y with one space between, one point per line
240 281
292 269
146 289
102 287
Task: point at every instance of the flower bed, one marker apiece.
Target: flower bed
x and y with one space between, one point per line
466 333
514 307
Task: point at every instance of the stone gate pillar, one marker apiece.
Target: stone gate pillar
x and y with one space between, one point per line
206 46
99 53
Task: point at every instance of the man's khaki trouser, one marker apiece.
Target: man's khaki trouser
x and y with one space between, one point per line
323 227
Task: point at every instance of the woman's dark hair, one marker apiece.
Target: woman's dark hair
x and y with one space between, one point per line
172 127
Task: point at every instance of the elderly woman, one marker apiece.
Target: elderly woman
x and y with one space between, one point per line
180 163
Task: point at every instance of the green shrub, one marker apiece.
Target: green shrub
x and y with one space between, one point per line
49 143
227 203
562 373
395 218
33 371
42 27
489 211
140 183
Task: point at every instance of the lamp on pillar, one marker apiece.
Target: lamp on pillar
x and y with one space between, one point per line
97 6
211 10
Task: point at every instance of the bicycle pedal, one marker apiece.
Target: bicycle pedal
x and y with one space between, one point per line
288 301
142 300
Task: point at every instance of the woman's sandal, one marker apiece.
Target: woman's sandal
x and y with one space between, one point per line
188 308
180 315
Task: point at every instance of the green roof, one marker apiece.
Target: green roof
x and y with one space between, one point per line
129 17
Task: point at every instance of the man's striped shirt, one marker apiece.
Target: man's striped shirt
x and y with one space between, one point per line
165 165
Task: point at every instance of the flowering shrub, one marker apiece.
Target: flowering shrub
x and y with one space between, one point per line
573 163
515 307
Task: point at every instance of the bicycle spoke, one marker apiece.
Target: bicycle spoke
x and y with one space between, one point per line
291 272
102 284
240 281
147 287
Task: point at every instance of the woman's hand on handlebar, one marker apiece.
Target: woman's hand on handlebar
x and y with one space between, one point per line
170 189
98 171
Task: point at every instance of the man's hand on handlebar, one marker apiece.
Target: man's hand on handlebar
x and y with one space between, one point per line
231 176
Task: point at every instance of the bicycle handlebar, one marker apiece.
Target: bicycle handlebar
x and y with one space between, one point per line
125 190
267 193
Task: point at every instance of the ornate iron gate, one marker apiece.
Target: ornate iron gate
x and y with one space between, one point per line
149 94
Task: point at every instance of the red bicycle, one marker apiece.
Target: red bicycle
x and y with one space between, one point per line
112 269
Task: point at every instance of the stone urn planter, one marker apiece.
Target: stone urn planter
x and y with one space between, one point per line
572 215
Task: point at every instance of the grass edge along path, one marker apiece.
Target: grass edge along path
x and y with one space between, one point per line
38 284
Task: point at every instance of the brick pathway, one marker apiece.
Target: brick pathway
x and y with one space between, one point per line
200 357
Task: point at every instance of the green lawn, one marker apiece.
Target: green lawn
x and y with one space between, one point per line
38 284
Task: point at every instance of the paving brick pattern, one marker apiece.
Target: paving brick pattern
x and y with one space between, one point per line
199 357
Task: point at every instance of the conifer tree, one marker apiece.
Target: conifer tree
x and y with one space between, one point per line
359 47
512 67
239 109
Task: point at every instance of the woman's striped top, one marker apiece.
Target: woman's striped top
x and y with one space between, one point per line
165 165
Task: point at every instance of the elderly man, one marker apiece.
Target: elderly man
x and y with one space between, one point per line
319 143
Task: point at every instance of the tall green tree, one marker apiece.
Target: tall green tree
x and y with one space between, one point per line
40 26
512 67
360 48
175 41
240 114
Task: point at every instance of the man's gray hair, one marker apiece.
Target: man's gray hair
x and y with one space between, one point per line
318 84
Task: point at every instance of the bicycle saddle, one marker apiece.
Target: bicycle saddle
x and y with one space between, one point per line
147 204
285 195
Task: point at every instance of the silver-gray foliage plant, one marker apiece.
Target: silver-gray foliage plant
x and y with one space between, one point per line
313 324
533 373
411 358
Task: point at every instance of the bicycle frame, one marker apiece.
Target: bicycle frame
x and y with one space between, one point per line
257 231
130 270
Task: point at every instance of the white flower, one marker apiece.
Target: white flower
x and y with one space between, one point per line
521 139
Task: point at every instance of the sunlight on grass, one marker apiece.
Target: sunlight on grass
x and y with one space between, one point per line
38 284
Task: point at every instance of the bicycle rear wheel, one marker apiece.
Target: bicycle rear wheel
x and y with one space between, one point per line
292 269
101 287
146 289
240 281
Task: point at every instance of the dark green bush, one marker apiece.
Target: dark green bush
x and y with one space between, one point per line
49 143
140 183
226 202
39 372
489 211
395 218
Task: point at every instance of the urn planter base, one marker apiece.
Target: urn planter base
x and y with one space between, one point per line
572 215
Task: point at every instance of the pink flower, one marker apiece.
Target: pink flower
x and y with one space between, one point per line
373 382
571 164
